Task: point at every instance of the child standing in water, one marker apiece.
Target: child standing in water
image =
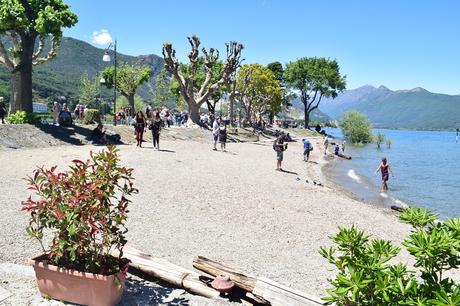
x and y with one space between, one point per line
384 168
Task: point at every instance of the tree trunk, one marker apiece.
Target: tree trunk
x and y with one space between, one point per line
194 112
307 116
131 105
21 79
231 98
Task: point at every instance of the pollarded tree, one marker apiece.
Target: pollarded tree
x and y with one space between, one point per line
259 91
22 22
129 78
198 79
193 96
314 78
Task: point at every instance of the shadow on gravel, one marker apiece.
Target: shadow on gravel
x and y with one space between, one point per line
73 134
139 293
148 292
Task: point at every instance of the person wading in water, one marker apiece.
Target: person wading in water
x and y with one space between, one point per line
384 168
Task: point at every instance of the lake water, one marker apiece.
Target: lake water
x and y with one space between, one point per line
426 167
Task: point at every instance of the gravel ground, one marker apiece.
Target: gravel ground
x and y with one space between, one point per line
232 207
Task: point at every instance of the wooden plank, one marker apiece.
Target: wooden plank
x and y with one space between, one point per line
265 290
214 268
168 272
280 295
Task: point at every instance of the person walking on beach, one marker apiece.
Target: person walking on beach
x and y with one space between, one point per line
384 168
326 144
139 128
307 147
222 136
215 132
279 146
2 110
155 126
56 112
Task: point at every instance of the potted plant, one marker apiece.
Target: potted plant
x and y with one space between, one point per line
82 212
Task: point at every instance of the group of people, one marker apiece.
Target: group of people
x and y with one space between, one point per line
219 132
153 122
62 115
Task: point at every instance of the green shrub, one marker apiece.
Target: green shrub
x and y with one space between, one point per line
92 116
366 276
388 142
22 117
356 127
379 139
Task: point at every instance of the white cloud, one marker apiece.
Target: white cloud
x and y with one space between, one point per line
102 37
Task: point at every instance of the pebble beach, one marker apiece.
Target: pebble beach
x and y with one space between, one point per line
232 207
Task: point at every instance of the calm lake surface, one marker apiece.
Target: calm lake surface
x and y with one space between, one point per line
426 167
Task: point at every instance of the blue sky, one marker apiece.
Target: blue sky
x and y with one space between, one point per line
400 44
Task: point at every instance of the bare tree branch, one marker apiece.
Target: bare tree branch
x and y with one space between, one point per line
4 59
317 104
172 66
313 100
55 42
41 45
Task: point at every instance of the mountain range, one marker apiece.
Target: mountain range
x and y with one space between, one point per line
62 75
401 109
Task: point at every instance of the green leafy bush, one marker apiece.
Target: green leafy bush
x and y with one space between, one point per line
366 276
22 117
84 210
379 139
91 116
356 128
388 142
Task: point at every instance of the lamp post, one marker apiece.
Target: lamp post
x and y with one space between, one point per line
106 58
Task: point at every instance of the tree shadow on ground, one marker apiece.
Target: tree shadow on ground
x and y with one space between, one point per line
74 134
139 293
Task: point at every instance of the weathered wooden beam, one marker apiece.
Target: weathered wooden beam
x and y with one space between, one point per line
265 290
168 272
214 268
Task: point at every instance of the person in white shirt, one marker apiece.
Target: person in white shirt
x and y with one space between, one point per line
215 132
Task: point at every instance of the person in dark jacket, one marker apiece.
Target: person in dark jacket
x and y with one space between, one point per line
155 127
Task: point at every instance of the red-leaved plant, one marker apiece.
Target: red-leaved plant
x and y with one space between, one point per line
84 210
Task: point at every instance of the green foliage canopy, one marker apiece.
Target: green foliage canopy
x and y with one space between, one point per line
259 90
89 89
314 78
356 128
129 78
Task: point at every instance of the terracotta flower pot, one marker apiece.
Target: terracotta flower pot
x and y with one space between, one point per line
78 287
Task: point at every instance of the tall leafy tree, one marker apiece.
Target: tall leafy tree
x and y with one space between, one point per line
89 89
129 78
278 71
22 23
162 94
192 95
259 90
314 78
